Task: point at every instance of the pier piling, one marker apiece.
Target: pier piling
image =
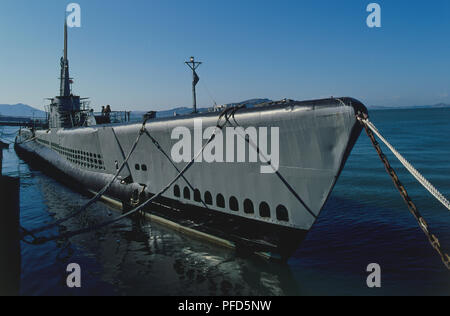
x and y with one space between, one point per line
10 258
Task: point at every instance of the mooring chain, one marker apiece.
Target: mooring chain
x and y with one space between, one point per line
434 241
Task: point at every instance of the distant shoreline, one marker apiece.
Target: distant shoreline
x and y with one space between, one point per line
39 115
408 108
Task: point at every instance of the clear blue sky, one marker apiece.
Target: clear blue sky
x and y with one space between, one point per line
130 54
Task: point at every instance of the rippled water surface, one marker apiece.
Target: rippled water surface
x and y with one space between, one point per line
365 221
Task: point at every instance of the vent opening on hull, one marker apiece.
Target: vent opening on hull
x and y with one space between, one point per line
176 191
282 213
197 196
220 201
234 205
264 210
208 198
248 207
186 193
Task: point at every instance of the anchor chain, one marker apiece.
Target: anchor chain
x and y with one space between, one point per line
434 241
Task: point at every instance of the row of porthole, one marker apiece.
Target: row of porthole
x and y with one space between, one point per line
264 208
84 159
77 153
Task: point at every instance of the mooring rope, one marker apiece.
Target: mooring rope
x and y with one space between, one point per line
268 161
42 240
416 174
159 147
95 198
434 241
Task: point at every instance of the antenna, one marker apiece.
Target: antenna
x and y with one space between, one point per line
65 79
65 40
194 65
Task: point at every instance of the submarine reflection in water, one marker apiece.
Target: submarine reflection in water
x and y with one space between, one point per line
142 257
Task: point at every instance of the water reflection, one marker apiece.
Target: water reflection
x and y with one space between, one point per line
139 257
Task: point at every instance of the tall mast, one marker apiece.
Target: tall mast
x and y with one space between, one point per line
64 90
194 65
65 40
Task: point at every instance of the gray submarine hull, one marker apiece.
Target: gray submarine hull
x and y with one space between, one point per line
316 140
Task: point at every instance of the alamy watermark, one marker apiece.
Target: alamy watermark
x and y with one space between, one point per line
73 280
230 145
73 18
374 278
374 18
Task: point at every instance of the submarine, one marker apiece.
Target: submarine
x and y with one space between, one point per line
267 213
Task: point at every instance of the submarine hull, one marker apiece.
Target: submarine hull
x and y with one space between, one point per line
267 213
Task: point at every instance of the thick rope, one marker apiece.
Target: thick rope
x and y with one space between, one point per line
416 174
159 147
42 240
267 160
434 241
95 198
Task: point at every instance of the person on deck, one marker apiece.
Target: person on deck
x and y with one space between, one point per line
108 113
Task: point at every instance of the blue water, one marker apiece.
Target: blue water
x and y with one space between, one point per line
365 221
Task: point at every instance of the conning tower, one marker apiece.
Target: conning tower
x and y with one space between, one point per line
65 109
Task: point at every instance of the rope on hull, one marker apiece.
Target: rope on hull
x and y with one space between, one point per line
42 240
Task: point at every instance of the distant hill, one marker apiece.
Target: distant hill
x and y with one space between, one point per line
24 110
20 110
434 106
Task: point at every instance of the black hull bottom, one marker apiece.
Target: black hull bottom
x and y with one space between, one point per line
248 236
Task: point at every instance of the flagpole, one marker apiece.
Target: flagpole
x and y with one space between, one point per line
195 79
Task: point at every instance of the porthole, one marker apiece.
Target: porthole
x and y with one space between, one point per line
176 191
137 167
234 205
187 193
144 167
282 213
264 210
208 198
197 196
248 207
220 201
